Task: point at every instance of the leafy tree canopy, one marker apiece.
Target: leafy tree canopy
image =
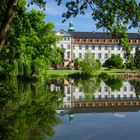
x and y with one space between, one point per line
28 50
115 61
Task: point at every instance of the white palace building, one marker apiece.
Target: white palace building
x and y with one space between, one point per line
101 44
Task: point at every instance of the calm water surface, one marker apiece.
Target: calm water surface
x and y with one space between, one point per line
100 126
68 109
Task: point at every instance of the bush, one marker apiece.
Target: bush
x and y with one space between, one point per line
88 65
115 61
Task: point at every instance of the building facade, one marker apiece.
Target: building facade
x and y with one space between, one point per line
101 44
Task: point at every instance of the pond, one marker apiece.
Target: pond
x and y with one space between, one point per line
70 109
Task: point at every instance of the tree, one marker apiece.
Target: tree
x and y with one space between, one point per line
88 65
8 10
137 58
115 61
29 52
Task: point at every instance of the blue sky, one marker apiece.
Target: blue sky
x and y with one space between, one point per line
81 22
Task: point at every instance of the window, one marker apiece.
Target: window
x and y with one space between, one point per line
61 32
68 98
111 40
80 97
86 47
130 41
74 47
68 46
118 96
131 88
68 54
80 89
106 47
105 88
73 55
124 96
112 96
131 95
118 48
86 40
68 90
112 47
105 55
93 47
99 55
99 47
99 96
105 40
99 90
125 88
92 40
80 47
62 46
117 40
80 40
98 40
80 55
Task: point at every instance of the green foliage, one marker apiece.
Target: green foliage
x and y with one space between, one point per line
29 51
137 58
88 65
103 75
76 64
27 111
136 86
131 64
115 61
114 83
89 87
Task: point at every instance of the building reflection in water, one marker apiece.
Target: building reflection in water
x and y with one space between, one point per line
104 99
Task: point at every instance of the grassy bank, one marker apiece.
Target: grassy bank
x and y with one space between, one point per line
61 73
111 72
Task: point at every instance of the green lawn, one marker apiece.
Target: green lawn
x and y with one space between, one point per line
65 73
60 73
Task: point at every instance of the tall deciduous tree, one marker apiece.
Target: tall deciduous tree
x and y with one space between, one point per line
8 9
29 52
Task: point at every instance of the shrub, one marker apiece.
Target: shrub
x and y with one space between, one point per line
115 61
88 65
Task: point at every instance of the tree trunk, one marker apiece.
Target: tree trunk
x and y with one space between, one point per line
9 14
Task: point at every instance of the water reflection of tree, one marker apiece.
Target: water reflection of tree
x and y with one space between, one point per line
136 85
114 83
28 114
89 86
